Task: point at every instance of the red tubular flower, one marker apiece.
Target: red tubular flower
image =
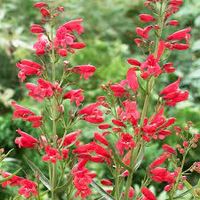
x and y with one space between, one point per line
74 25
159 161
78 45
14 181
62 52
42 44
150 67
28 68
131 77
180 46
52 155
35 120
36 28
118 89
26 140
118 123
40 5
156 127
130 112
180 35
133 61
146 18
172 94
28 188
173 23
75 96
143 32
167 148
92 114
81 179
104 126
106 182
45 12
20 111
84 70
131 193
148 194
101 139
70 138
169 67
65 153
44 89
125 142
176 2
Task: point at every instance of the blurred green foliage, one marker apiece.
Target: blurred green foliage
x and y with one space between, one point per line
109 33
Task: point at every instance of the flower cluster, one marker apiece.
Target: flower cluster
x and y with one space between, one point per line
127 117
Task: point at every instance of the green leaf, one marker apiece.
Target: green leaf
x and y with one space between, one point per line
36 170
101 191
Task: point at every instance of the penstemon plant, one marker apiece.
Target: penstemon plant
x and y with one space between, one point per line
129 117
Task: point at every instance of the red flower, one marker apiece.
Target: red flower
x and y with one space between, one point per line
77 45
148 194
74 25
180 35
118 89
133 61
169 67
82 177
75 95
156 127
146 18
28 188
28 68
36 28
131 192
167 148
14 181
84 70
101 139
172 94
26 140
125 142
106 182
40 4
52 155
159 161
70 138
42 45
150 67
42 90
45 12
173 23
143 32
130 112
131 77
92 114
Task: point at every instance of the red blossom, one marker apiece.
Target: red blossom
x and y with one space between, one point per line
156 127
82 177
92 114
130 112
28 68
148 194
28 188
180 35
106 182
42 44
74 25
70 138
143 32
43 90
26 140
14 181
118 89
146 18
52 155
84 70
131 77
75 96
36 28
125 142
172 94
40 4
150 67
101 139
